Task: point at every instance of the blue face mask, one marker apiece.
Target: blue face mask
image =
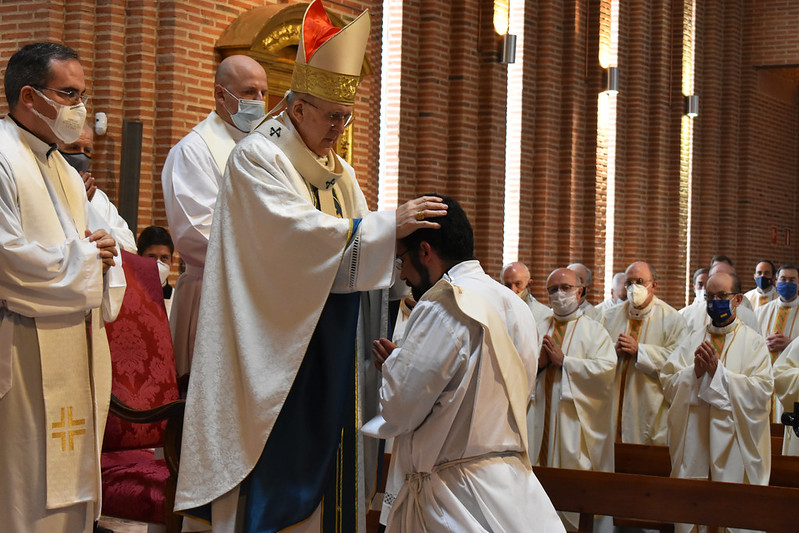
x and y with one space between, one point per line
764 283
719 311
786 289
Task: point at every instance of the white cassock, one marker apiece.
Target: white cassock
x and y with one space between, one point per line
759 299
579 402
786 387
291 233
119 228
540 311
774 316
55 370
643 413
454 396
696 316
190 180
719 425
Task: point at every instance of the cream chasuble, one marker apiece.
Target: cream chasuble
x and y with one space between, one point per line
786 387
580 399
643 413
778 316
52 277
273 259
719 425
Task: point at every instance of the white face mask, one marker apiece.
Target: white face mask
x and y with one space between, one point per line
163 272
637 294
700 294
564 303
68 123
249 111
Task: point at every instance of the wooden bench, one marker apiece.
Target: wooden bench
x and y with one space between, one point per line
664 499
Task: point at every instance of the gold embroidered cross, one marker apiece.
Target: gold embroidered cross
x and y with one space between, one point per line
68 434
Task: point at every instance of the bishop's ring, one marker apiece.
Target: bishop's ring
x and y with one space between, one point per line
420 215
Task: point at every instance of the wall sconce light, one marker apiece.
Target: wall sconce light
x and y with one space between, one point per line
610 77
507 49
692 105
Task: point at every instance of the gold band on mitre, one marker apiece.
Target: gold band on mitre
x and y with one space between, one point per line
330 86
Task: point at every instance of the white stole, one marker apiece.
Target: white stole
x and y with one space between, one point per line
72 416
217 137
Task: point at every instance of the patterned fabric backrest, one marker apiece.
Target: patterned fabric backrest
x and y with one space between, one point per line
143 362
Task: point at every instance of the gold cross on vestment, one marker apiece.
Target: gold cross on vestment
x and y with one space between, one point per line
68 434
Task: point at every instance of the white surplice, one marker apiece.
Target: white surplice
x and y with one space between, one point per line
55 371
190 180
457 412
643 414
273 259
119 228
540 311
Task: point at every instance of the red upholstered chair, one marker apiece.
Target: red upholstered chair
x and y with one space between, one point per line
145 410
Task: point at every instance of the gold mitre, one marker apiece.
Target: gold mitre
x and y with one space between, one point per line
329 59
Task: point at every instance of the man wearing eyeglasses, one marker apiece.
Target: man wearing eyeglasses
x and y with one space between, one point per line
569 420
278 386
718 382
646 331
58 280
190 179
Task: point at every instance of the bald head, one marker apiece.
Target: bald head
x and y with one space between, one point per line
617 290
84 144
721 266
641 273
516 277
563 276
238 77
724 286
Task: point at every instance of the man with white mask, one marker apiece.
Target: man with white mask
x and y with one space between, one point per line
191 177
646 331
569 421
59 281
155 242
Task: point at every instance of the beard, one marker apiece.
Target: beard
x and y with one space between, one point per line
424 285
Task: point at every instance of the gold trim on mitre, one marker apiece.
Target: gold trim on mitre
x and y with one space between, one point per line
331 86
332 70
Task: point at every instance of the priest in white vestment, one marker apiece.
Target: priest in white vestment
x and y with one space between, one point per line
786 388
646 330
779 321
618 293
78 155
696 316
569 421
454 394
765 291
277 393
516 277
586 278
719 384
58 280
191 178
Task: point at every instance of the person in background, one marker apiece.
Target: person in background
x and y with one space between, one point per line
79 156
765 291
155 242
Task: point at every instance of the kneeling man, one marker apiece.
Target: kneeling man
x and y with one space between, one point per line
454 393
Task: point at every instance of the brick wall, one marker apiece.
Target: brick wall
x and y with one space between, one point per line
154 62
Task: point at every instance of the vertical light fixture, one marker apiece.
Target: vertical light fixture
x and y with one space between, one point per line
692 105
507 43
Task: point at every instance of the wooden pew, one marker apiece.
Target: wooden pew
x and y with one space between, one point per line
663 499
